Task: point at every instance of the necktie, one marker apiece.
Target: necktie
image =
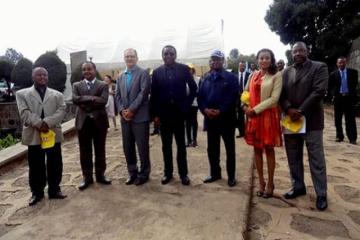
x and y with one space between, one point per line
90 85
241 81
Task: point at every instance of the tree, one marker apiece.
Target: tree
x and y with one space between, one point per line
235 58
5 73
76 75
21 74
328 27
56 69
13 56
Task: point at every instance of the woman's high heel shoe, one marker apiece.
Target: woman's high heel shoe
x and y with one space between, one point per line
260 193
269 194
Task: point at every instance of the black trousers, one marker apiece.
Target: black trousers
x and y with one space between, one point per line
192 124
174 126
240 121
90 135
344 105
216 129
41 171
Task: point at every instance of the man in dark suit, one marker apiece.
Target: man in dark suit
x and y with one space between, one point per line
217 98
243 77
132 99
304 87
342 84
170 104
91 95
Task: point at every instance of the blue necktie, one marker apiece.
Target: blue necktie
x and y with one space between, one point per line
344 86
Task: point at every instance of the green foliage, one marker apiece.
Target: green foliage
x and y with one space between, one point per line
328 27
235 58
21 74
8 141
13 56
56 69
76 75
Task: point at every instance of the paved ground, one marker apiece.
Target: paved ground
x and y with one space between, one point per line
278 218
151 211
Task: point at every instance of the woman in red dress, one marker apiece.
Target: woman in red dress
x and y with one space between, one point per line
263 130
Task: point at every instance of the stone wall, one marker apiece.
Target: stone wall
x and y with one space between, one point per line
9 119
354 56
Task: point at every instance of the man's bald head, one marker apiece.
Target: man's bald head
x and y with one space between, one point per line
40 76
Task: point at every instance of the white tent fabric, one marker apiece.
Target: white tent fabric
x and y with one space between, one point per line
191 41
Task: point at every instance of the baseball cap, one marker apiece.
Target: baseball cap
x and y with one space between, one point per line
217 53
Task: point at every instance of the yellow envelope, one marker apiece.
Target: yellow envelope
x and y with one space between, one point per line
245 97
47 139
292 126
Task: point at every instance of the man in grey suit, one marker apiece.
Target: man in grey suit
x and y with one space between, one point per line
132 99
91 96
42 109
304 87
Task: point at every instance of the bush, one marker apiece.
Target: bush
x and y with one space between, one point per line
5 73
21 74
56 69
76 75
8 141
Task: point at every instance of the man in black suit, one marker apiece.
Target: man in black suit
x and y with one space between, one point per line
343 83
243 77
169 104
91 95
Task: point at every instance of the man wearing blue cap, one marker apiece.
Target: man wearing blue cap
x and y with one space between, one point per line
217 99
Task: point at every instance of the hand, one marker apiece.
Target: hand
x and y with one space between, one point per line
157 121
211 113
294 114
44 127
250 112
125 114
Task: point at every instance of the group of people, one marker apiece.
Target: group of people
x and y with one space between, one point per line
167 98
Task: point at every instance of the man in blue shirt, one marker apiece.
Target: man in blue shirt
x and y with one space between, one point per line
218 95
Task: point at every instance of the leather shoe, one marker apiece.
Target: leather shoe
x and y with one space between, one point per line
295 193
58 195
231 182
211 179
35 198
321 203
339 140
166 179
353 142
103 180
185 180
85 184
130 180
141 180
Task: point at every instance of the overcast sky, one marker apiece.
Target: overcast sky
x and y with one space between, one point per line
32 27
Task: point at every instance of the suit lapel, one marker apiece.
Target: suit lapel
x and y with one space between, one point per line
46 97
35 94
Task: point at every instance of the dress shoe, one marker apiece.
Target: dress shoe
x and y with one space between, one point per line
339 140
85 184
295 193
58 195
103 180
211 179
35 198
141 180
321 203
130 180
353 142
269 192
166 179
231 182
185 180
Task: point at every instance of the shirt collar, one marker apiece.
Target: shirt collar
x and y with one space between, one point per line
301 65
129 71
90 81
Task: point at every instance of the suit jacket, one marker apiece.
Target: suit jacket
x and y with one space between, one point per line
247 74
270 91
304 88
165 93
352 81
137 100
91 102
30 108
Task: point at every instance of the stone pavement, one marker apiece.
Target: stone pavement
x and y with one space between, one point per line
151 211
278 218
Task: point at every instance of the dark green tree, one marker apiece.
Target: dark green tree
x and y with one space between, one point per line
5 73
13 56
56 69
76 75
328 27
21 74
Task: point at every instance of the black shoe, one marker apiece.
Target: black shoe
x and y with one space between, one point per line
238 136
211 179
103 180
166 179
130 180
185 180
295 193
231 182
85 184
353 142
35 198
339 139
321 203
154 133
58 195
141 180
194 144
